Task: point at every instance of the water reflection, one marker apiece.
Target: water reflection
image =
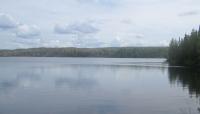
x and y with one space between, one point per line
77 86
187 78
106 109
75 82
21 79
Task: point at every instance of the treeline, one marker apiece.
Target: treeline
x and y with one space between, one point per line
115 52
185 51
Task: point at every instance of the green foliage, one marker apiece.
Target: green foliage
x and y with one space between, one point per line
115 52
185 51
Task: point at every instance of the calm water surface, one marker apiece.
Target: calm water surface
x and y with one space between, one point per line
96 86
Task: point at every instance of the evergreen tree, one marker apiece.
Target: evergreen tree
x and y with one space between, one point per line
185 51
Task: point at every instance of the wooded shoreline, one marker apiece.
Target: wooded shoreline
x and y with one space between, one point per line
107 52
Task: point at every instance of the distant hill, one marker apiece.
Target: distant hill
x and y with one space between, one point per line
109 52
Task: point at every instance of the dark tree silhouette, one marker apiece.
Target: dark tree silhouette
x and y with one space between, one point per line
116 52
185 51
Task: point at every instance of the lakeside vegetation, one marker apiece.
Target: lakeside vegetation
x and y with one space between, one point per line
114 52
185 51
182 52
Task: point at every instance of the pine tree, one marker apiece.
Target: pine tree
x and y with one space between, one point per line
185 51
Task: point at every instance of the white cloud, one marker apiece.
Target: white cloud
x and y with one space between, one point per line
76 28
87 42
27 43
51 43
189 13
21 30
27 31
126 21
139 36
99 2
136 22
82 34
7 21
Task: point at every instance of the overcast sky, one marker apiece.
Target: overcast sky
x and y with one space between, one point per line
95 23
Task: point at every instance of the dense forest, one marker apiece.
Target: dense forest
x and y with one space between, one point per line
185 51
115 52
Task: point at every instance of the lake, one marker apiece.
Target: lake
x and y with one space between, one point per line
96 86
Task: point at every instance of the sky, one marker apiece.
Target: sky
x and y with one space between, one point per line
95 23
